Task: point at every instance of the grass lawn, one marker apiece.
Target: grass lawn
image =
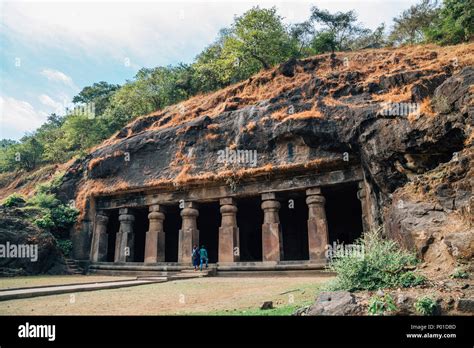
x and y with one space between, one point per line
200 296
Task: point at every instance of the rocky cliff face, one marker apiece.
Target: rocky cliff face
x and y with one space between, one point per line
401 113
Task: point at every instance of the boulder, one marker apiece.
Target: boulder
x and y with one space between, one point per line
334 303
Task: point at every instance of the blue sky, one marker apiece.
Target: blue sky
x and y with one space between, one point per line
49 51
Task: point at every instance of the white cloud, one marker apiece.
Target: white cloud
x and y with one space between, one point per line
56 75
159 32
16 117
51 103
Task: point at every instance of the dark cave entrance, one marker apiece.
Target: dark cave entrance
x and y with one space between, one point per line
249 221
113 226
343 213
294 224
171 226
140 228
208 225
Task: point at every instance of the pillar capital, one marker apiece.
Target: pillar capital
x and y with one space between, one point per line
267 196
227 201
101 218
228 209
125 211
270 205
313 191
189 212
316 199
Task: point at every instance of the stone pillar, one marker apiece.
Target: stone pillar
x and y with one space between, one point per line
99 238
361 194
229 232
318 237
155 237
188 234
271 231
125 238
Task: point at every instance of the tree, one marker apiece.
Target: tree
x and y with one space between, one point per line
410 26
338 31
99 94
454 24
256 40
24 155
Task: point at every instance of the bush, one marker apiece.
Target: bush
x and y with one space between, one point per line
425 306
44 200
14 200
410 279
65 245
460 273
378 305
383 265
46 222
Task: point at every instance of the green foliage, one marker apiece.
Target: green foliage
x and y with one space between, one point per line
460 273
382 266
257 39
65 245
378 305
425 305
454 24
98 94
46 222
24 155
410 26
410 279
44 200
339 30
14 200
56 216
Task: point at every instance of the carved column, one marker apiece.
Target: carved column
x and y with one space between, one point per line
188 234
155 237
229 248
99 238
125 238
318 237
271 231
361 194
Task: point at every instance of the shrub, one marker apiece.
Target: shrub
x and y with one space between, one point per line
378 305
14 200
382 266
460 273
65 245
44 200
410 279
46 222
425 305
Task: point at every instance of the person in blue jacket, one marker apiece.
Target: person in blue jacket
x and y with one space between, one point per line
204 257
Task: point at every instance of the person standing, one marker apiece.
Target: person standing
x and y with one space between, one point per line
203 254
195 257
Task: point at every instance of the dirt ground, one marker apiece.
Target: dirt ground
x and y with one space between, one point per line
213 295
